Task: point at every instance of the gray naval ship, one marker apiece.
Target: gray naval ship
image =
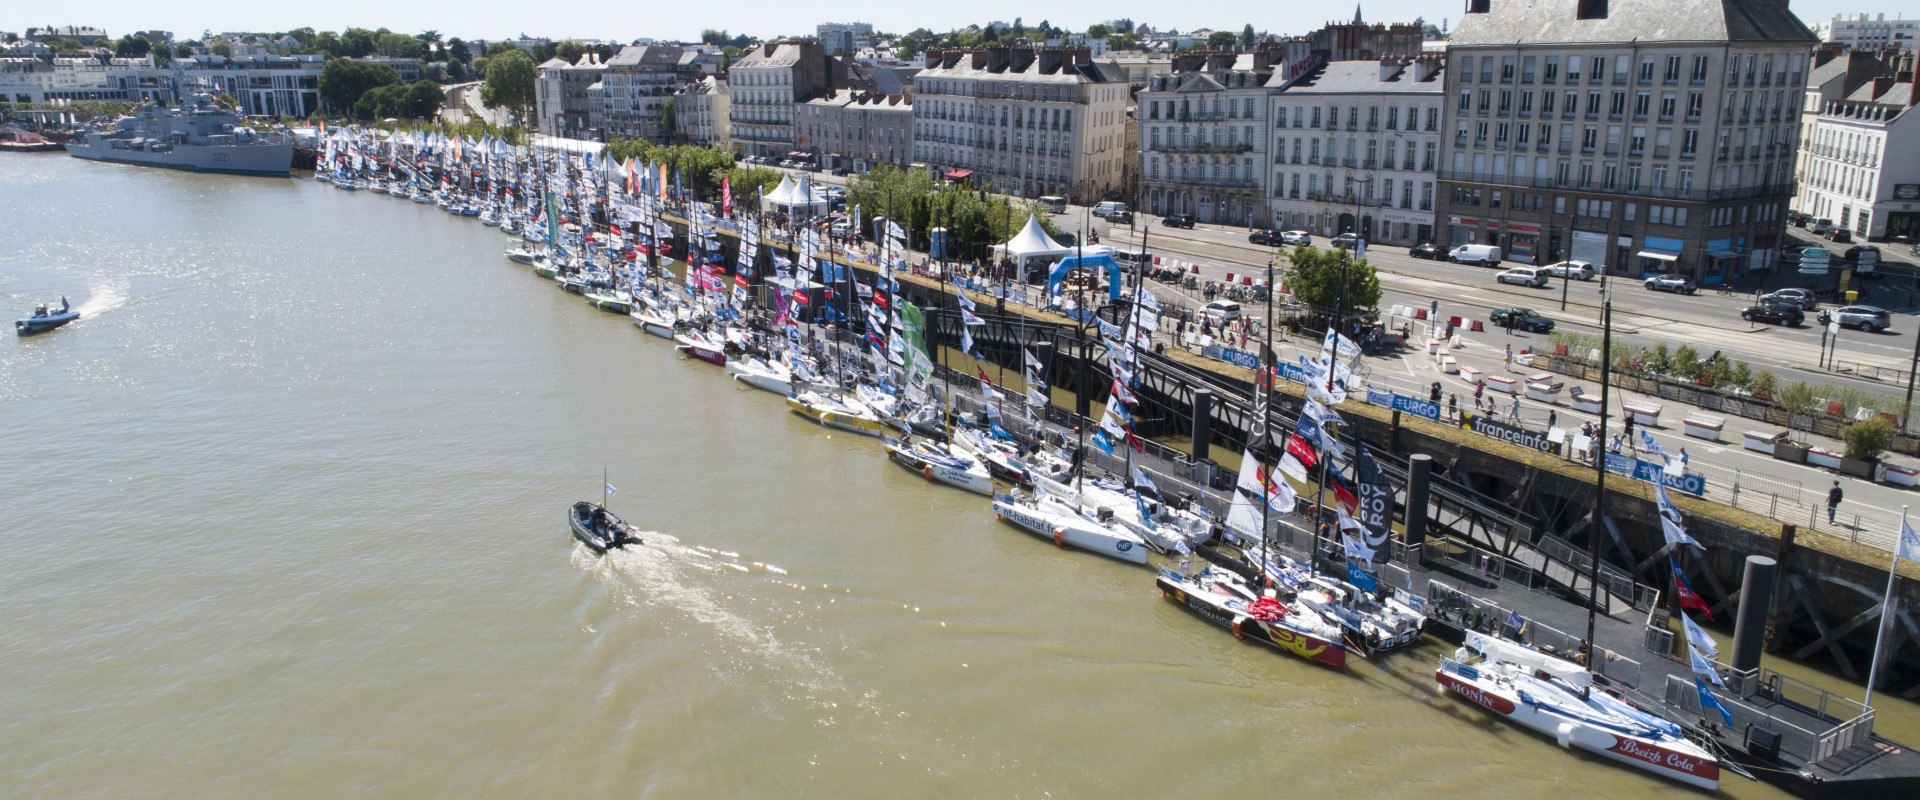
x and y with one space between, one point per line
200 136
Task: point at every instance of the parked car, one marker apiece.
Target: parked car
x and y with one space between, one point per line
1345 241
1872 319
1067 238
1577 270
842 172
1819 227
1177 220
1840 236
1485 255
1678 284
1798 219
1428 251
1222 310
1296 238
1264 236
1522 318
1778 313
1523 276
1800 298
1107 208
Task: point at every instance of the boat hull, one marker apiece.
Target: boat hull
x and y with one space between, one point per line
703 351
1069 532
265 160
1285 639
851 423
32 326
976 481
1692 769
599 535
760 379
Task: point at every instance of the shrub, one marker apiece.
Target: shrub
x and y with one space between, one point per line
1765 384
1685 362
1660 360
1743 376
1798 398
1868 438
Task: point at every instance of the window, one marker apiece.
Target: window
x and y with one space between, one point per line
1546 103
1466 69
1646 69
1527 69
1699 74
1695 102
1393 118
1667 101
1593 104
1641 102
1526 103
1486 70
1617 105
1506 101
1552 71
1573 69
1689 142
1506 69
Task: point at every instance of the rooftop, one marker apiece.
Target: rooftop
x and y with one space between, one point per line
1516 22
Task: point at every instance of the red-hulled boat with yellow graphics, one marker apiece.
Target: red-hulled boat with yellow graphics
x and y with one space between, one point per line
1228 600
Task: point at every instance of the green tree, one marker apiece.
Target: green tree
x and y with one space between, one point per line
480 67
1798 398
183 51
1765 384
1314 277
1221 39
456 71
357 43
713 37
1868 438
669 120
1247 35
397 45
424 99
342 82
497 48
131 46
457 50
570 50
223 50
1099 31
510 81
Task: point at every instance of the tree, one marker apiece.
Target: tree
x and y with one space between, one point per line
669 120
569 50
510 81
1247 35
457 50
1099 31
131 46
424 99
1222 39
343 82
395 45
1868 438
183 51
713 37
223 50
1315 274
357 43
456 70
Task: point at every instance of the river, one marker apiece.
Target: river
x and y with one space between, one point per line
285 518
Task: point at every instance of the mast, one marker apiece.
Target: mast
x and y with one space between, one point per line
1260 383
1600 478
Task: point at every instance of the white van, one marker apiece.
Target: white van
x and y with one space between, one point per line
1131 258
1485 255
1108 208
1057 205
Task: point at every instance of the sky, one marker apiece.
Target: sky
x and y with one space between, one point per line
624 21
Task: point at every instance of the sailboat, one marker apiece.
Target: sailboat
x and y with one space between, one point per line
1229 599
939 463
836 410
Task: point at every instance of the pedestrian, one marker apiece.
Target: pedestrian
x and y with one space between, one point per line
1514 415
1553 417
1509 354
1453 406
1683 460
1833 500
1629 416
1479 390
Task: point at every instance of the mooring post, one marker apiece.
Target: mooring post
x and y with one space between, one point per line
1202 422
1419 481
1750 622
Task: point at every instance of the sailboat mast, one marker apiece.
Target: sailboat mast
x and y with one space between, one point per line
1600 479
1267 368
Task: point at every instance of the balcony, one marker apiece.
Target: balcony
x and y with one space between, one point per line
1349 200
1200 147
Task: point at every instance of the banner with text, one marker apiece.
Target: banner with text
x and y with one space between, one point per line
1649 471
1405 403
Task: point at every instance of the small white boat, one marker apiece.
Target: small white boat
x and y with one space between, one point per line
653 319
844 413
1556 698
761 373
937 463
702 345
522 254
1050 517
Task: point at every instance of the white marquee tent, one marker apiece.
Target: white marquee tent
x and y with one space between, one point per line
796 198
1030 244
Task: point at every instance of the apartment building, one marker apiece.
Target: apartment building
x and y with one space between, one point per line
563 97
631 97
1857 165
1356 147
1204 137
1861 32
700 112
857 130
844 38
1027 121
767 83
1642 135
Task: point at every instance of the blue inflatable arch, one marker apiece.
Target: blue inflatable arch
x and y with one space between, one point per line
1071 263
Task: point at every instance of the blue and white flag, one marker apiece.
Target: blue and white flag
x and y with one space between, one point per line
1702 668
966 303
1141 481
1698 638
1361 579
1146 515
1100 441
1033 362
1670 519
1516 622
612 491
1707 700
1909 546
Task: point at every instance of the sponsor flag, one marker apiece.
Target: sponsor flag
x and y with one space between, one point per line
1702 668
1302 450
1033 362
1707 700
1698 638
967 318
612 491
1122 393
1909 547
1100 441
1516 622
1670 519
1035 398
1361 579
966 303
1342 493
1683 592
1143 482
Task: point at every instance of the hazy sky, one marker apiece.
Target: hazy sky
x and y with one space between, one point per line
487 19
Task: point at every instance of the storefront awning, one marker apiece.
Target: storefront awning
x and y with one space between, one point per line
1659 255
959 174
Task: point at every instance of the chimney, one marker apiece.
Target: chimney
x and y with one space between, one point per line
1050 59
1881 85
1019 58
1188 62
979 59
1220 61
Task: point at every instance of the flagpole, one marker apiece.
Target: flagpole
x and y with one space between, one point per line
1886 613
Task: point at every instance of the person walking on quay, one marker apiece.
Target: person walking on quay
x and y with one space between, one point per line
1509 356
1514 414
1479 390
1453 406
1553 417
1834 496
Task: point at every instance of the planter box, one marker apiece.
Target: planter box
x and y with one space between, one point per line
1853 467
1588 403
1703 426
1898 476
1449 366
1500 383
1789 452
1523 359
1762 441
1442 354
1547 391
1470 374
1821 457
1645 412
1434 345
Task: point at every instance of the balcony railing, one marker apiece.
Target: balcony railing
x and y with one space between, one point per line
1199 147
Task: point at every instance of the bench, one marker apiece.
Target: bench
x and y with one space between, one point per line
1762 441
1583 402
1644 412
1470 374
1501 384
1701 425
1544 388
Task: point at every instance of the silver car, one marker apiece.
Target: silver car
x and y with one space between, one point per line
1577 270
1296 237
1872 319
1799 297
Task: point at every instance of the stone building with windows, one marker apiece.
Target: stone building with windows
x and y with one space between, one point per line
700 112
1355 147
768 83
1642 135
1203 137
1861 32
858 130
563 102
1856 160
631 97
1029 121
